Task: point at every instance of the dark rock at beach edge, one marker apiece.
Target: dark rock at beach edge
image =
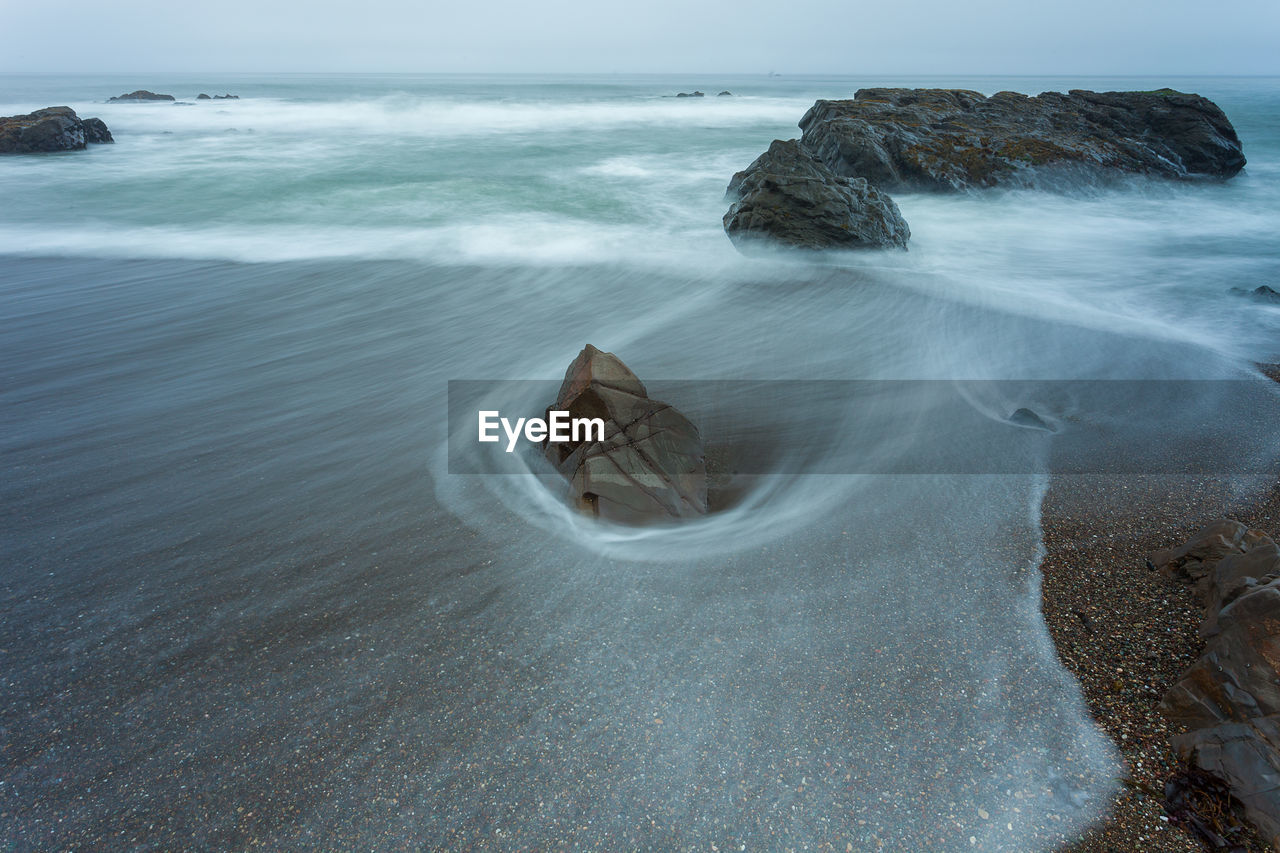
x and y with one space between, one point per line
1228 702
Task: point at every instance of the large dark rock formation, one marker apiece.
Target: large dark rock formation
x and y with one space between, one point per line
788 197
955 139
1228 702
50 129
650 466
143 95
948 139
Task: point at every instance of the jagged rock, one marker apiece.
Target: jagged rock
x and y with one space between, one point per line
690 95
50 129
649 467
949 139
143 95
788 197
1260 294
955 139
226 97
1228 702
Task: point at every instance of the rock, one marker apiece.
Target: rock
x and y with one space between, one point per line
95 131
787 197
202 97
1029 419
1260 294
725 94
957 139
690 95
143 95
650 466
226 97
50 129
1228 702
953 139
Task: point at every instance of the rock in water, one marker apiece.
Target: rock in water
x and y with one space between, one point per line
1228 702
951 139
650 465
143 95
1260 294
1028 418
202 97
50 129
95 131
787 197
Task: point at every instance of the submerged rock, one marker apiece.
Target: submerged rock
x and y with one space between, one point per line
50 129
950 139
690 95
649 467
725 94
143 95
1260 294
1027 418
202 97
1228 702
787 197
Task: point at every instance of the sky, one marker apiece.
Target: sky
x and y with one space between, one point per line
662 36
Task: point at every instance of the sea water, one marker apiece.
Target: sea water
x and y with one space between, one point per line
247 597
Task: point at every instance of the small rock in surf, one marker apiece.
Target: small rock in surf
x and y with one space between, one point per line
650 467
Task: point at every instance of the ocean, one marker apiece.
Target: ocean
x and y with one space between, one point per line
248 599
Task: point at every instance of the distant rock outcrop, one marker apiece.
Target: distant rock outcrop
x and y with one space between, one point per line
50 129
143 95
956 139
725 94
202 97
1228 702
787 197
690 94
650 466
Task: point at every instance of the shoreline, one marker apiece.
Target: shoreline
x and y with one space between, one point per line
1127 633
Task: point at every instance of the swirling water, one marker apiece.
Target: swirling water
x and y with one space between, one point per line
243 599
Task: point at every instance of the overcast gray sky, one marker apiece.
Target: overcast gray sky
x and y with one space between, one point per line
752 36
